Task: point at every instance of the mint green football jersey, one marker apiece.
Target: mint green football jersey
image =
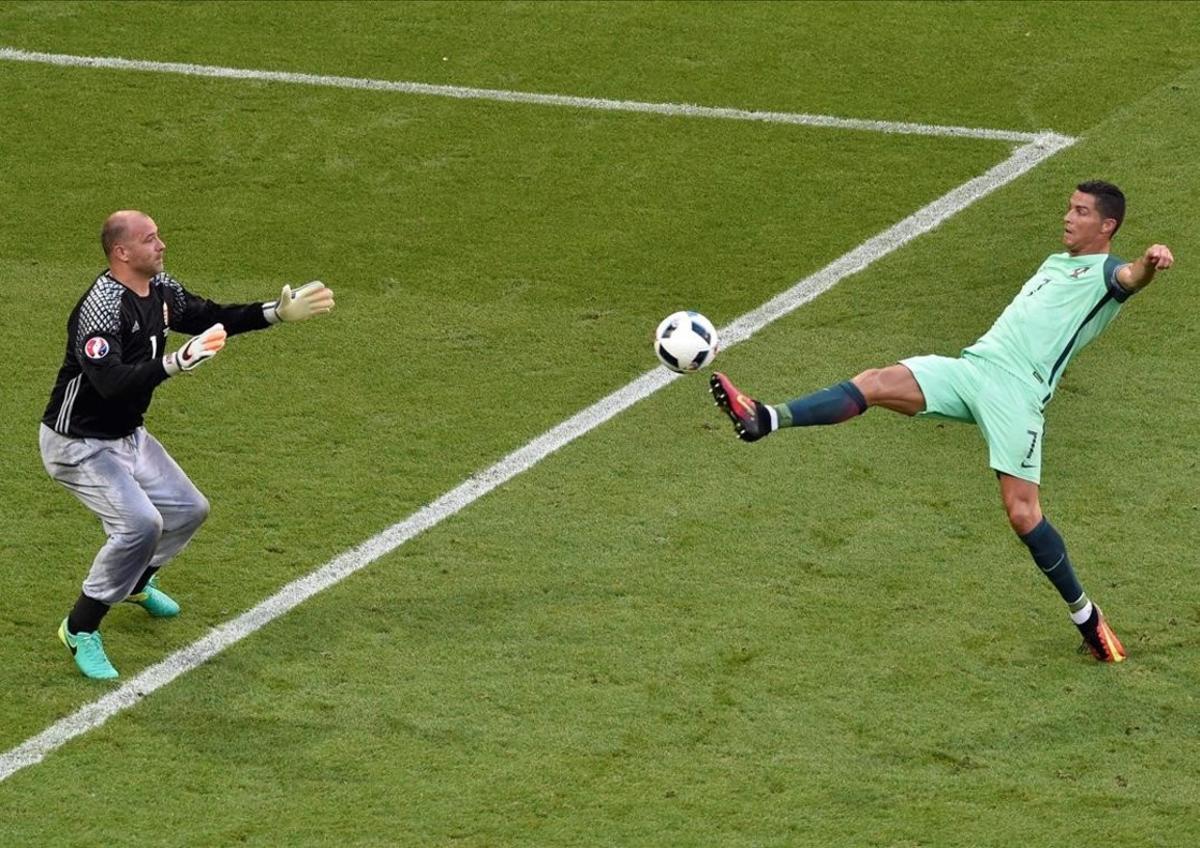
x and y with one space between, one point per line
1062 307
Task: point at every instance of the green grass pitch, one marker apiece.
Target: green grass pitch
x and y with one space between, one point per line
657 636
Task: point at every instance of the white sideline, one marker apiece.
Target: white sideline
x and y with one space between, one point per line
673 109
96 713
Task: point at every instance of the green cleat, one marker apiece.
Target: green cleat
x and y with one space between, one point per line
154 600
88 651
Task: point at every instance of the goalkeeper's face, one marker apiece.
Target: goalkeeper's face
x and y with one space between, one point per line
144 249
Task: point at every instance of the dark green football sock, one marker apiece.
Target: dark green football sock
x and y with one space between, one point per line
1050 553
826 406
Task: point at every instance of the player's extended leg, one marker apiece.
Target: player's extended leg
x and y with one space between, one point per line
1050 553
183 509
893 388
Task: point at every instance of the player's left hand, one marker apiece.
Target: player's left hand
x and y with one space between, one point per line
1158 257
310 299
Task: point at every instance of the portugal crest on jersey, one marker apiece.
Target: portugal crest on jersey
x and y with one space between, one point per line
96 348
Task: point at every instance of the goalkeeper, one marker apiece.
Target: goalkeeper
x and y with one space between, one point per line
1002 382
92 437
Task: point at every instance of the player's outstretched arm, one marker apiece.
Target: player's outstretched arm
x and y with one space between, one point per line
195 351
1138 274
310 300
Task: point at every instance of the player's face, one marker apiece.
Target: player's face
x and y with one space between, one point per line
144 249
1083 225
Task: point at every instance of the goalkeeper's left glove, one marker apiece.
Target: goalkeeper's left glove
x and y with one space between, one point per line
310 299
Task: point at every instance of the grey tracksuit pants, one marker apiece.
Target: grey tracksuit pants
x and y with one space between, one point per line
148 506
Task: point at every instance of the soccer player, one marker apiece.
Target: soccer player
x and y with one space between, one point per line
1002 382
92 439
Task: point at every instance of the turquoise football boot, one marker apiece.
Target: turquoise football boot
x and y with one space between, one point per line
154 600
88 651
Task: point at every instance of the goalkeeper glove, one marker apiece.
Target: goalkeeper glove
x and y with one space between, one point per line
310 299
195 351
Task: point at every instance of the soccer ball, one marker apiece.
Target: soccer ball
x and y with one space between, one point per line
685 341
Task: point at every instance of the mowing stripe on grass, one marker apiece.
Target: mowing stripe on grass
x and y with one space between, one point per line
463 93
93 715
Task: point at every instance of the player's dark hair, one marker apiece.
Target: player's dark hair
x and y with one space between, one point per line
113 231
1110 200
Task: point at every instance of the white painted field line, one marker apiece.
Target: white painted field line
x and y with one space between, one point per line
675 109
93 715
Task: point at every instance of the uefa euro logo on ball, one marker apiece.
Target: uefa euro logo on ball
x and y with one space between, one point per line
686 341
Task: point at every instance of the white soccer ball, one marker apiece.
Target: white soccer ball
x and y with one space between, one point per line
685 341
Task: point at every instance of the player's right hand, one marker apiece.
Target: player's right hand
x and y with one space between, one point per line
195 351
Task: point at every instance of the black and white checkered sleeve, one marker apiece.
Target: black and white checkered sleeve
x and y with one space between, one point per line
99 313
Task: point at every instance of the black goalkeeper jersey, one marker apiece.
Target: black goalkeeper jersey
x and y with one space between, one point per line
115 344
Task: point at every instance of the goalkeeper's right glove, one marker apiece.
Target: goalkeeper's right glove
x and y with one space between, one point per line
195 351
